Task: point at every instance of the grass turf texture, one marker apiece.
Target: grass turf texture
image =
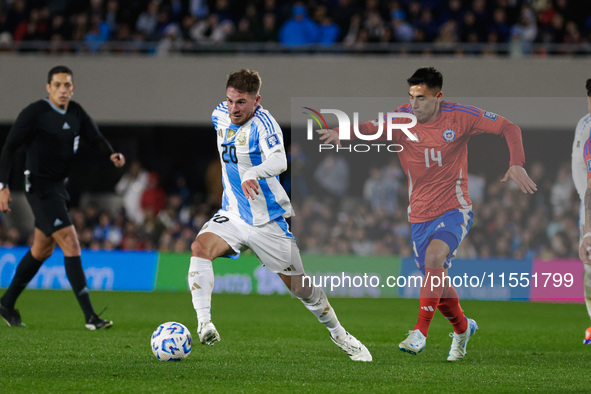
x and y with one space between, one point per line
274 343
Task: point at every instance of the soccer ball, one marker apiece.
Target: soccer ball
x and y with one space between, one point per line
587 340
171 341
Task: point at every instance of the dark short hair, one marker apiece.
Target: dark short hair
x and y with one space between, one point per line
427 75
588 86
58 70
245 80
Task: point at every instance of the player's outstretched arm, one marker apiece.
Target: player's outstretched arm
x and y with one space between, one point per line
329 135
520 177
118 159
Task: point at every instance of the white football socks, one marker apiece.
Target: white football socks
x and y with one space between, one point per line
201 286
318 304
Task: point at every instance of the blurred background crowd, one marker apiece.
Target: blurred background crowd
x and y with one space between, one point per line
172 26
507 223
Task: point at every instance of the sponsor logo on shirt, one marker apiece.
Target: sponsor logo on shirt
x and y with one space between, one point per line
66 126
449 135
490 115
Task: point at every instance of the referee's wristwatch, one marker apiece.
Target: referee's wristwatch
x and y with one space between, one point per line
3 185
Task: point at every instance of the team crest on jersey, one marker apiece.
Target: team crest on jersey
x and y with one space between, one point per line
231 134
241 139
589 165
490 115
449 135
272 140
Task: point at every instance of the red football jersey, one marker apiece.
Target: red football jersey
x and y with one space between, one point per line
437 165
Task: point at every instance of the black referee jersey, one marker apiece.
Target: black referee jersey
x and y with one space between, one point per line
51 136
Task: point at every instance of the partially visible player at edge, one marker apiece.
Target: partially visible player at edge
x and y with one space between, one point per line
50 129
581 168
440 210
254 208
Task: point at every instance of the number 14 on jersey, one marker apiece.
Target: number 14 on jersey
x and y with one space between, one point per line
435 157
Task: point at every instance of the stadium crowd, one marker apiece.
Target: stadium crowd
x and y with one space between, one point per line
169 26
507 223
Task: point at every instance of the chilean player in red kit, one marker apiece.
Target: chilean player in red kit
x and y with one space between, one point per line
440 210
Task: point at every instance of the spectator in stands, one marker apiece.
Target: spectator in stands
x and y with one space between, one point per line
300 29
154 196
148 19
97 35
328 31
332 174
131 186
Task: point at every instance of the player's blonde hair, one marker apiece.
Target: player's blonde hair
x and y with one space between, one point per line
245 80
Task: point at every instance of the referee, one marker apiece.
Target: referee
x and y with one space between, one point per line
50 129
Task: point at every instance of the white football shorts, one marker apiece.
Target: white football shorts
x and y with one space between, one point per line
272 242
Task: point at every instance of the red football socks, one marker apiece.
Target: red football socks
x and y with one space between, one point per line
449 306
430 294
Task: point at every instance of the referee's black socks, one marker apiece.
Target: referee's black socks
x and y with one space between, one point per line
77 279
26 270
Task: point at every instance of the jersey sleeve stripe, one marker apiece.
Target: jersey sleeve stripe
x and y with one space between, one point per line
461 110
266 122
453 105
473 110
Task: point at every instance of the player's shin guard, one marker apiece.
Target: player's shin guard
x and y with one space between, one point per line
201 286
26 270
77 279
449 306
318 304
430 295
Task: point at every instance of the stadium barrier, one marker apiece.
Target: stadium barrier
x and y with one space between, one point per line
105 270
528 279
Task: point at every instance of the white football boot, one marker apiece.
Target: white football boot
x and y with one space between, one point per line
208 334
457 351
414 343
353 347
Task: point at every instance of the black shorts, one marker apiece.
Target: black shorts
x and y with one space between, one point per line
49 201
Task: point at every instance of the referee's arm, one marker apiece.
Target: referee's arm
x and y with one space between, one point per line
93 135
22 130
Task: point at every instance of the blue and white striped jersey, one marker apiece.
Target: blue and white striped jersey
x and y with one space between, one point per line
241 148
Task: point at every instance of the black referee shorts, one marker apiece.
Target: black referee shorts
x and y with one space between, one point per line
49 201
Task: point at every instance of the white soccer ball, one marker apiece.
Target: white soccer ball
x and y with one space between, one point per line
171 341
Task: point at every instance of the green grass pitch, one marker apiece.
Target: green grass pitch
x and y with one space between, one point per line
272 343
